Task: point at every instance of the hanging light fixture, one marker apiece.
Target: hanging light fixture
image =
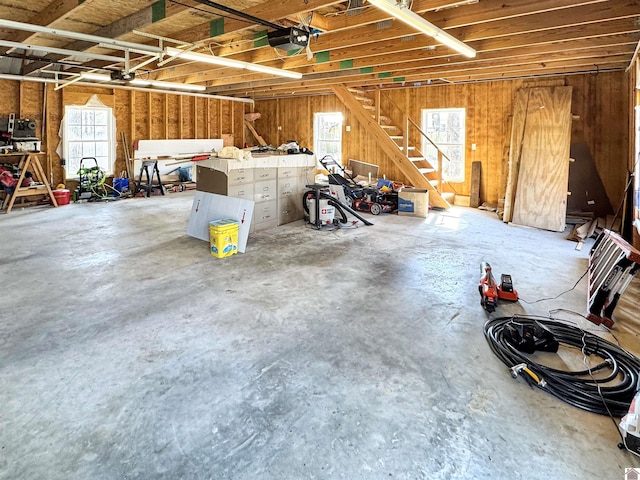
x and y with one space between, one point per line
403 13
228 62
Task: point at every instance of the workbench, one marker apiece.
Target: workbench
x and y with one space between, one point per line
27 161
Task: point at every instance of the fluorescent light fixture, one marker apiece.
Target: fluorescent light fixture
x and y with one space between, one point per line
404 14
227 62
160 84
99 77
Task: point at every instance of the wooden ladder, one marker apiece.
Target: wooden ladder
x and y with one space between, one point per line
394 141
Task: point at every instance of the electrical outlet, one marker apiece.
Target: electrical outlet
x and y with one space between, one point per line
279 127
348 128
473 147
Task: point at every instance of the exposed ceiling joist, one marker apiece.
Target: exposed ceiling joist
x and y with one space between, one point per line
525 38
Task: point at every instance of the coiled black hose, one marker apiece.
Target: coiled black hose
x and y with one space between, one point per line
606 395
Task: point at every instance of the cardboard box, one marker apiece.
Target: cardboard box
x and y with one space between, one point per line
413 202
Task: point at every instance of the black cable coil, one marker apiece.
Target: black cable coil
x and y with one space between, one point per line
607 395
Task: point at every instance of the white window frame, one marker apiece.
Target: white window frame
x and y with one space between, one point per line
105 162
454 171
328 142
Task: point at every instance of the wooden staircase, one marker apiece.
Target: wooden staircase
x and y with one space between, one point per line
395 141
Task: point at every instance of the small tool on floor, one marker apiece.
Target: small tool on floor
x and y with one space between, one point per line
490 291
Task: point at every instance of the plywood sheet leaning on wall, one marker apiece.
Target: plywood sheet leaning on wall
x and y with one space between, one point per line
541 194
518 122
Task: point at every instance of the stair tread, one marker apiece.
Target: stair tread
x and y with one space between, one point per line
390 127
427 170
363 99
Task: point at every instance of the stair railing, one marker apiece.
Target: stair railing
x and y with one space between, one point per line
408 122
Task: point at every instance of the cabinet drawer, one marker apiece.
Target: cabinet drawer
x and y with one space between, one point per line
265 191
307 176
289 172
238 177
265 212
289 211
260 174
241 191
288 187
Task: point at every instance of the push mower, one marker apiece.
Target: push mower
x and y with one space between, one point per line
352 191
375 202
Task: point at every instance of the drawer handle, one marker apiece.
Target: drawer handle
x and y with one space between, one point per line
266 216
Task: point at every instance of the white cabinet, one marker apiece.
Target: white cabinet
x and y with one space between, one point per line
275 184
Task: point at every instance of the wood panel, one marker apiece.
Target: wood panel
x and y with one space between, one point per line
518 123
173 119
157 119
541 196
123 125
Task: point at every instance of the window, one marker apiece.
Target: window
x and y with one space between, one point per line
445 127
327 132
88 132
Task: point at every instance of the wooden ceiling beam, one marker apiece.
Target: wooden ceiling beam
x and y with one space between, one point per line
472 14
312 20
507 75
535 62
537 22
370 14
271 10
136 20
360 41
56 10
425 44
626 26
500 72
382 62
365 34
376 54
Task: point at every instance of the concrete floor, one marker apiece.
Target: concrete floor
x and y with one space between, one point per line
127 351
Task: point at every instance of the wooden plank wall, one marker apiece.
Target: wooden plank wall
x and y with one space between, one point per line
599 101
139 114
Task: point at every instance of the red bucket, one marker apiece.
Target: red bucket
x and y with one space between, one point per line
62 196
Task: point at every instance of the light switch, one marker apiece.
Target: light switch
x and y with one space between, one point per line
473 147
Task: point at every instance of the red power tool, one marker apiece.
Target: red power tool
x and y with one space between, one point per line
490 292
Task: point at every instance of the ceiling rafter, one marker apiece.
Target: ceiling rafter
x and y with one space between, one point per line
389 63
370 40
523 38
